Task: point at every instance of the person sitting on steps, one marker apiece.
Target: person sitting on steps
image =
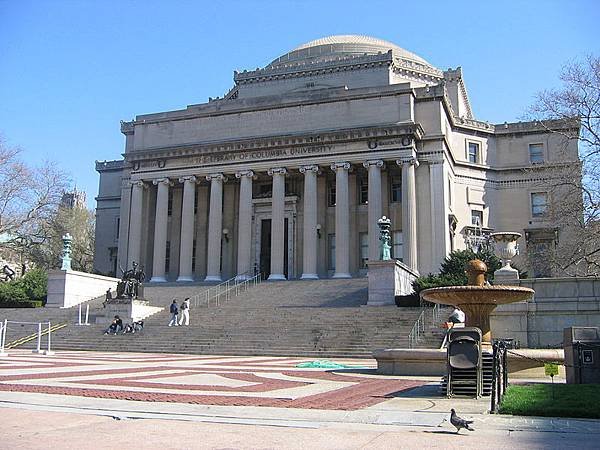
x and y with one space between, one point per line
115 326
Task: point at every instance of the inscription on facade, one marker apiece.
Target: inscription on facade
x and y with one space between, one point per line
239 156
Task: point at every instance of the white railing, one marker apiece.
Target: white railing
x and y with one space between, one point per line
418 328
38 335
87 314
224 291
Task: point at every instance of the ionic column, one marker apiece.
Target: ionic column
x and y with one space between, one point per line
277 223
309 237
215 223
244 264
409 212
160 230
187 228
135 223
342 221
375 205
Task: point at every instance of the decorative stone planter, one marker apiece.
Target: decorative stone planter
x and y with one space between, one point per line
506 248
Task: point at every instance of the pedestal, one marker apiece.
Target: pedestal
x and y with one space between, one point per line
506 276
388 279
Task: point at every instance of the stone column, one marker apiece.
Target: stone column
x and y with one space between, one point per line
342 220
375 205
309 237
439 215
135 223
409 212
277 223
215 225
244 264
187 228
160 230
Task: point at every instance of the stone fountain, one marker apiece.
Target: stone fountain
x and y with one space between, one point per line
477 299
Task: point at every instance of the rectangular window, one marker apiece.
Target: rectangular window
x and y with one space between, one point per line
396 188
536 153
364 192
170 204
539 204
331 200
397 242
168 257
473 152
476 218
194 256
363 241
331 251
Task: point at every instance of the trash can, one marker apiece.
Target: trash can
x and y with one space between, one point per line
582 355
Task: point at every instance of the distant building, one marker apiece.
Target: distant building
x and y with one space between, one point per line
290 170
73 199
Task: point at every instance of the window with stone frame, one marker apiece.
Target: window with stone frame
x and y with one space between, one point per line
194 256
363 192
396 188
539 204
473 152
170 203
331 251
536 153
397 245
476 217
363 242
168 257
331 199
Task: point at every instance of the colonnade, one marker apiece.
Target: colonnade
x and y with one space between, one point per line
244 231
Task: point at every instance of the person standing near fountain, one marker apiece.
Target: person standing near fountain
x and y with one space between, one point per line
457 317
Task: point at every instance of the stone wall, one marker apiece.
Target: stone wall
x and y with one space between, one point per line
558 303
68 288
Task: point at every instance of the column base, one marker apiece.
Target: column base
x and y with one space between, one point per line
160 279
210 278
341 275
309 276
276 277
184 278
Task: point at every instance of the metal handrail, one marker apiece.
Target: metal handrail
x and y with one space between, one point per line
417 330
225 290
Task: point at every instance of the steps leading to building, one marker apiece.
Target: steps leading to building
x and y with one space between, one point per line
320 318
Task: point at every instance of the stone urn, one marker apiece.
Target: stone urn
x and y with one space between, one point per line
506 248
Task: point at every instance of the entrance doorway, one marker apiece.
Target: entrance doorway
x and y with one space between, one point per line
265 248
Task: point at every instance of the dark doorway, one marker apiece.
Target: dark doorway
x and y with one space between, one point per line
265 248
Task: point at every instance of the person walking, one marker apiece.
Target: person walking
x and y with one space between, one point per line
185 312
174 310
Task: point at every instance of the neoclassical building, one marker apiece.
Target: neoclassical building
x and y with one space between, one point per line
290 170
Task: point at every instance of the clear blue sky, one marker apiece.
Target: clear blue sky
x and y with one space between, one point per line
71 70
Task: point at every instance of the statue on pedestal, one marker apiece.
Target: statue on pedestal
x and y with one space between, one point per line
385 239
66 253
130 283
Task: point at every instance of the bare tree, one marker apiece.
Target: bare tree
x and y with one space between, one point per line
572 114
29 197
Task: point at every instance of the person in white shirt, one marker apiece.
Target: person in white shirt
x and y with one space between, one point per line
185 312
457 316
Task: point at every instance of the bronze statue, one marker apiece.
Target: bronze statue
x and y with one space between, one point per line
131 280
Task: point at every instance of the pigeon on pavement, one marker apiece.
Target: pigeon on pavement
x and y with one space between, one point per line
459 422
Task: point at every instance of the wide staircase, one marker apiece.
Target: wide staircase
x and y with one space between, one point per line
321 318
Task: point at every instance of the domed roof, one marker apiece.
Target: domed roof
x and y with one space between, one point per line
343 46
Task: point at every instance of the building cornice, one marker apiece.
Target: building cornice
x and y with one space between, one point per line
371 134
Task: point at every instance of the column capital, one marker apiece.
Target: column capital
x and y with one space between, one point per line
138 183
309 168
216 176
245 173
277 171
340 165
373 162
188 178
158 181
411 160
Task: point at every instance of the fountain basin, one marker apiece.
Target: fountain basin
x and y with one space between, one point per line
477 302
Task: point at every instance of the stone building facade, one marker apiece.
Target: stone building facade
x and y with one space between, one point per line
290 170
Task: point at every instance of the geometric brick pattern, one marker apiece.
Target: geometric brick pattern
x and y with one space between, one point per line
206 380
